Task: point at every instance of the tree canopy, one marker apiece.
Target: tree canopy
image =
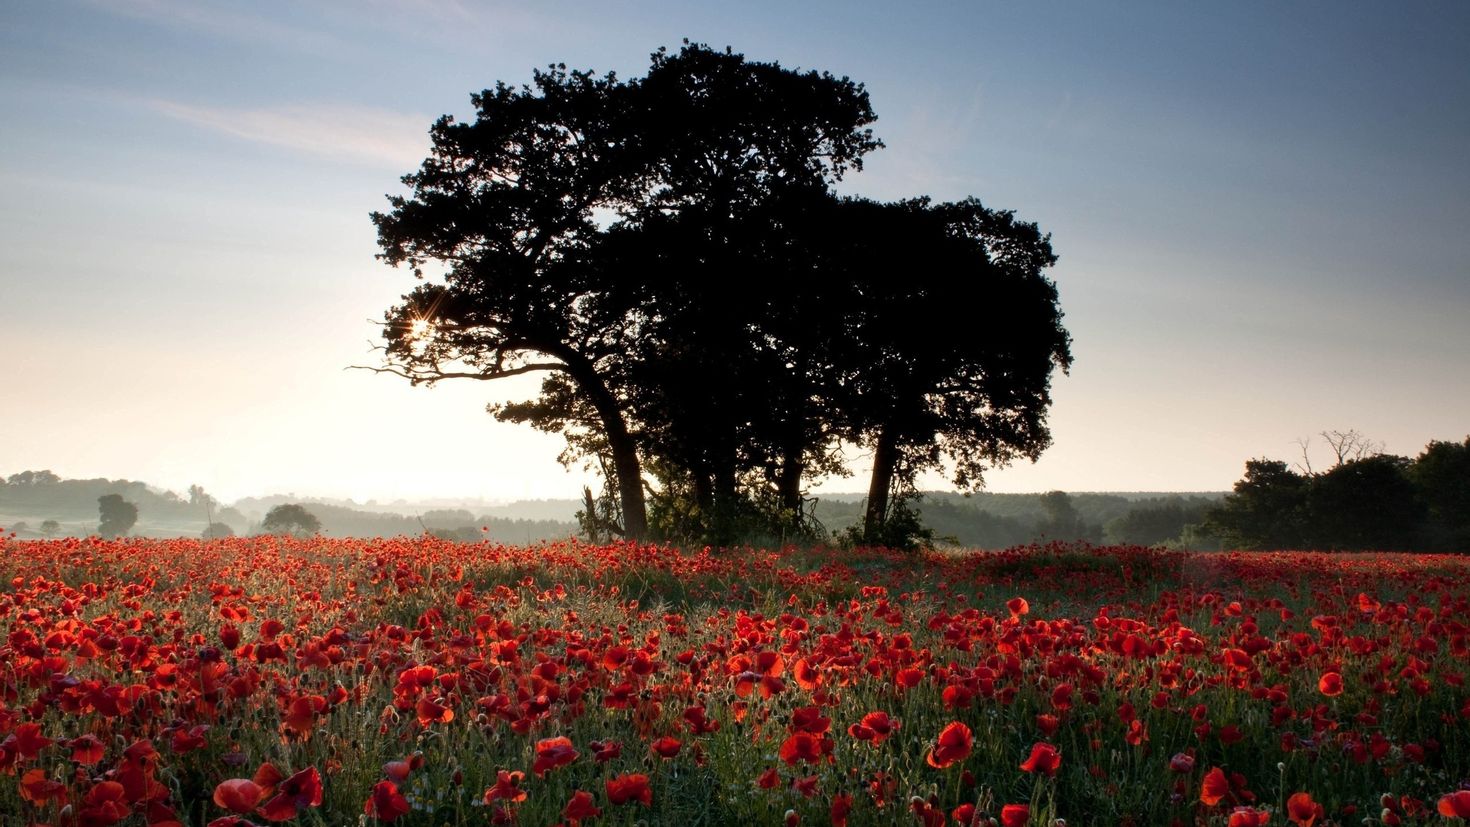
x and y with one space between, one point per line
118 515
712 322
290 518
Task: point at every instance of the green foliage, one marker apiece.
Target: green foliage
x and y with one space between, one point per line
118 515
217 531
290 518
1371 502
1441 475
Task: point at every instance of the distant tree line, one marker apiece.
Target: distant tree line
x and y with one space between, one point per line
114 508
1365 501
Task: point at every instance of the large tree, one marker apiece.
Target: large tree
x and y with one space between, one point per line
515 204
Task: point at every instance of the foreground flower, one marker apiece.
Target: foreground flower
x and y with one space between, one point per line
630 787
386 803
1455 805
304 789
238 795
954 745
1215 787
507 788
579 807
1249 817
552 753
1044 759
1015 815
1330 684
1302 810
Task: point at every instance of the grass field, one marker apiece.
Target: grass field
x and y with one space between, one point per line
332 682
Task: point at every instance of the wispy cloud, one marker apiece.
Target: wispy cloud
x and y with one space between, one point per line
219 20
351 134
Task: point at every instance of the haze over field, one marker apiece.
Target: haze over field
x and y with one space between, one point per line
1260 213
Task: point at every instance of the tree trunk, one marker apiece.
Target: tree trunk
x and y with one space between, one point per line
620 443
885 460
788 483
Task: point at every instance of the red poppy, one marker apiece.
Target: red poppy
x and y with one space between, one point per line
238 795
841 807
1015 815
1215 787
954 744
1018 606
769 780
386 803
804 746
86 750
1302 810
604 751
38 788
430 711
875 727
1330 684
1249 817
579 807
1044 759
1455 805
552 753
666 746
507 787
304 789
964 815
630 787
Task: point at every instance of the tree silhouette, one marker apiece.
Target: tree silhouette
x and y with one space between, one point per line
511 204
290 518
118 515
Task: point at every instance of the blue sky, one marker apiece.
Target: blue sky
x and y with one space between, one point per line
1261 209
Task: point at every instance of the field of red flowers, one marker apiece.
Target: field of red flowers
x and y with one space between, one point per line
328 682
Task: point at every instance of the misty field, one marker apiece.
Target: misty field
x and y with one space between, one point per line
421 682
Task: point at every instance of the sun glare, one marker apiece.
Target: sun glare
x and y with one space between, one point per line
420 328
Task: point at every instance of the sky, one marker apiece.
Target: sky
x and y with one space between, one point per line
1262 213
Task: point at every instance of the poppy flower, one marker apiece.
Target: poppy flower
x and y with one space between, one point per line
304 789
507 787
386 803
841 807
769 780
238 795
954 745
1330 684
964 814
38 788
1017 606
666 746
804 746
604 751
86 750
1015 815
1249 817
874 727
1302 810
1215 787
552 753
579 807
630 787
1044 759
1455 805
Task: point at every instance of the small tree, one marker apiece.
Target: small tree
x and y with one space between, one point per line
50 527
290 519
118 515
217 531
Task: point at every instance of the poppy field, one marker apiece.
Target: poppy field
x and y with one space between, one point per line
269 680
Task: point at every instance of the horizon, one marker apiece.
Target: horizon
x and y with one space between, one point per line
1260 214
